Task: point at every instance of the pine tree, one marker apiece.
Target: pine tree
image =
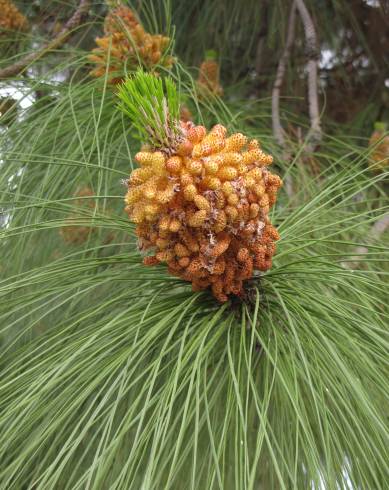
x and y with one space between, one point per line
118 375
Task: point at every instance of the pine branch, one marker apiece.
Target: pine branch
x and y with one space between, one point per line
259 55
278 131
20 66
312 55
277 127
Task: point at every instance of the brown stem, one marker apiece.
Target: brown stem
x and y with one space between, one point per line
20 66
277 127
312 68
259 55
278 131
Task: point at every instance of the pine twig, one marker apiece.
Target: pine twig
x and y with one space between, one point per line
277 127
259 55
312 66
278 131
20 66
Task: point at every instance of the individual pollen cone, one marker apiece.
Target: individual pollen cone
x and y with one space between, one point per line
222 232
208 81
379 141
126 45
10 17
72 233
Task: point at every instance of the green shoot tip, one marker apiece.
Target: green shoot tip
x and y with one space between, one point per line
152 104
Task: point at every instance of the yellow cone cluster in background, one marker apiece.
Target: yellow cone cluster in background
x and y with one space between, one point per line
75 234
11 18
379 157
208 81
126 45
204 208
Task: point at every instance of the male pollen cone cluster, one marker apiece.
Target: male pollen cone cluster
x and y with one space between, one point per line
10 17
74 234
379 158
126 45
203 208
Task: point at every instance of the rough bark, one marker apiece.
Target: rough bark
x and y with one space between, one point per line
278 130
312 53
277 126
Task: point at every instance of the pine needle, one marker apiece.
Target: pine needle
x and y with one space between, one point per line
152 104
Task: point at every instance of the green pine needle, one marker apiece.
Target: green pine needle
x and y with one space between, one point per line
152 104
